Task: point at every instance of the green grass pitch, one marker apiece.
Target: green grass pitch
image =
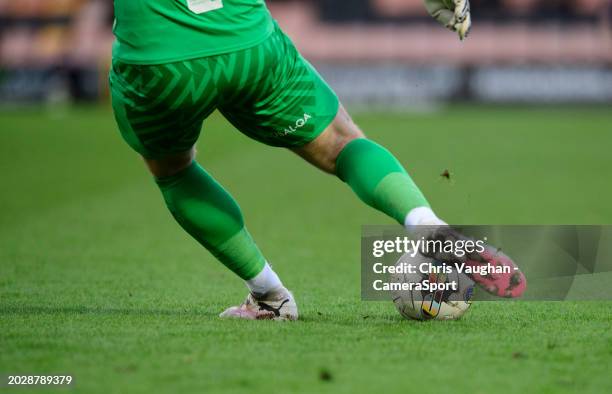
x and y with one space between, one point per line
97 281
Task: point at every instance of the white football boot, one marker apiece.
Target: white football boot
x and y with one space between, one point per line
276 305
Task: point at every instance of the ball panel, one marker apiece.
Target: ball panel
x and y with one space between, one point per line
425 305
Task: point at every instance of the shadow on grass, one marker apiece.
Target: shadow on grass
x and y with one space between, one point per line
336 319
101 311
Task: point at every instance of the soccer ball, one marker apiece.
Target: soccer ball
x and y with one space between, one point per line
420 304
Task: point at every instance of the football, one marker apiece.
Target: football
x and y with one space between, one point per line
420 300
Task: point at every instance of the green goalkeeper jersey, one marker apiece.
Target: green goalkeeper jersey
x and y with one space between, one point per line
164 31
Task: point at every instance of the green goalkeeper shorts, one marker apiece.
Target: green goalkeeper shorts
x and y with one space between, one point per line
268 92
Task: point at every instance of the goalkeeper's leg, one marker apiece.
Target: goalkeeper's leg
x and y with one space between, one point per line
160 117
210 215
379 179
373 173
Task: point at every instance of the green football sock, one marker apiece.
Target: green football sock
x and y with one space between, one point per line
209 214
379 179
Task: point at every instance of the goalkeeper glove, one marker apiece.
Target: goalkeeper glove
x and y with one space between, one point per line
454 14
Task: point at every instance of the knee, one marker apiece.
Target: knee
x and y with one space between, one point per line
343 131
335 149
170 165
323 152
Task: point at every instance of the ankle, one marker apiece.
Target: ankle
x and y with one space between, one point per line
264 283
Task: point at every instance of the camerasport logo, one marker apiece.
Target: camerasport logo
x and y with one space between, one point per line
301 122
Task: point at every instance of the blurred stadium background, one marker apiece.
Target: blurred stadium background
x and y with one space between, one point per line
373 52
